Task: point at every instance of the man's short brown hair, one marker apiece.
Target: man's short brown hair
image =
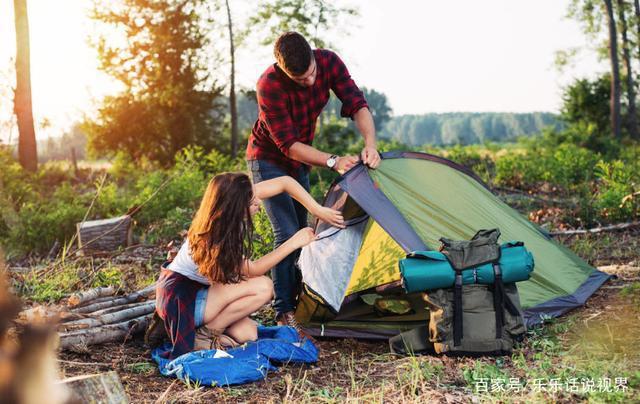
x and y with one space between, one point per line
292 53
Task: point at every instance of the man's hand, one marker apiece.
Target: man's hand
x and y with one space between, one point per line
345 163
370 157
331 216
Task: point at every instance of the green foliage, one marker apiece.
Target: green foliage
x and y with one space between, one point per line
586 104
378 105
145 368
616 196
309 18
16 184
44 207
264 240
39 225
335 137
564 166
470 157
51 288
632 292
156 50
482 371
109 276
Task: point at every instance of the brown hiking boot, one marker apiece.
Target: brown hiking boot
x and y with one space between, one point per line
289 319
207 338
156 333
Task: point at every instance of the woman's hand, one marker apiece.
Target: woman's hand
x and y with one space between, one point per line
331 216
303 237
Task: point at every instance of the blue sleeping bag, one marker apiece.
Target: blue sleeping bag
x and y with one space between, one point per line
247 363
425 270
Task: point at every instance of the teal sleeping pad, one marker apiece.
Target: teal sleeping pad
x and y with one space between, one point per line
425 270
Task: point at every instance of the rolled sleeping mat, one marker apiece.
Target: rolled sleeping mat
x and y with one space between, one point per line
425 270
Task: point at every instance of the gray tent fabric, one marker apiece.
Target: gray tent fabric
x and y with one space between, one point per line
560 305
359 185
342 247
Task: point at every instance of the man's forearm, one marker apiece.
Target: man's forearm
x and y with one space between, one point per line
308 155
366 127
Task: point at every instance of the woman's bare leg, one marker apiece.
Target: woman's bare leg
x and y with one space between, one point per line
243 330
227 304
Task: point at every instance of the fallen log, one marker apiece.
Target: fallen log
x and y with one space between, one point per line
118 308
98 300
97 388
79 298
549 201
111 318
614 227
66 317
117 301
106 333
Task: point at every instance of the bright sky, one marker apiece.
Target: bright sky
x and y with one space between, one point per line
426 55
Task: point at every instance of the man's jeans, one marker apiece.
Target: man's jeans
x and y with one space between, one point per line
287 216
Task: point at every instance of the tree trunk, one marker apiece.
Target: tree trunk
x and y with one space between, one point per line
99 388
232 88
27 149
104 235
615 71
636 4
632 120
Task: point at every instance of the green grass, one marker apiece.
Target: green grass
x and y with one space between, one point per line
53 283
146 368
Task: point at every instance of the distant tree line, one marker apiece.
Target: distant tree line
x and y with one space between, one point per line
466 127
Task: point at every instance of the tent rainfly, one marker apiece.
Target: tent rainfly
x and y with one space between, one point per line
406 204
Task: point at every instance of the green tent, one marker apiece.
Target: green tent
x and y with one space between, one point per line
351 281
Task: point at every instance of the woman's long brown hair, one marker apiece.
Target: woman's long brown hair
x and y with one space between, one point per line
221 231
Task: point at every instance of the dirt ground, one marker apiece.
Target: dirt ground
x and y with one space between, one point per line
607 327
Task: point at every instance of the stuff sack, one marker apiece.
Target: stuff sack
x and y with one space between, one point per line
481 333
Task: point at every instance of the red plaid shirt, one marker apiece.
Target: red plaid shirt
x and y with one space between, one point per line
287 111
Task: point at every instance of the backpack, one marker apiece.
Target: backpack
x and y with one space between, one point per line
469 318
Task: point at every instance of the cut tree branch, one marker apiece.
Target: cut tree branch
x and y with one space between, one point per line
79 298
111 318
105 333
613 227
130 298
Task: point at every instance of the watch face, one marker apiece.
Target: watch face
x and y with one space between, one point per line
331 162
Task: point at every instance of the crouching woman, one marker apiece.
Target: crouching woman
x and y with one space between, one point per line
205 295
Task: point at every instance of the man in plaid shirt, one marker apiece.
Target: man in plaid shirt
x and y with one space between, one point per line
291 95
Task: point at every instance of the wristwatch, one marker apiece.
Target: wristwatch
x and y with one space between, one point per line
332 161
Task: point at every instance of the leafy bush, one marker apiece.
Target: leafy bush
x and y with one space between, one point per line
41 224
468 156
263 236
616 197
564 166
38 209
